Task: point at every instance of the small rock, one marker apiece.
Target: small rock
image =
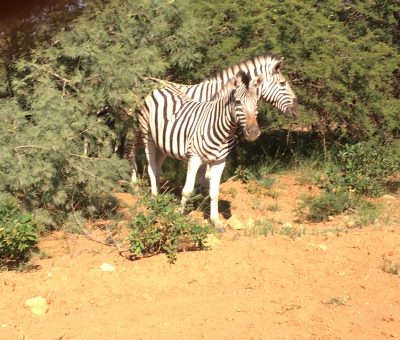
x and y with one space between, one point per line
148 297
250 223
351 224
37 305
331 218
3 325
212 241
322 247
388 197
288 225
106 267
234 223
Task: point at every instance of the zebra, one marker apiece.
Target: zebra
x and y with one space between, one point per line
274 89
198 132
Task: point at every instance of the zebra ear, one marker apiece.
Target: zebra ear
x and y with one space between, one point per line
257 81
278 66
242 78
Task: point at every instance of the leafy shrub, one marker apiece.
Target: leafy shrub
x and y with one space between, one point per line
363 168
17 235
366 213
244 174
391 266
317 209
162 229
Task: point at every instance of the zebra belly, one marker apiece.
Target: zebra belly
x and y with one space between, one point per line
210 152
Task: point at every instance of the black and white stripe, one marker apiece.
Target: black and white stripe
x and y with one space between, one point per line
274 89
171 124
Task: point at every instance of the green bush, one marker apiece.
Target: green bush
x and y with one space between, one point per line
317 209
363 168
17 235
244 174
366 213
163 229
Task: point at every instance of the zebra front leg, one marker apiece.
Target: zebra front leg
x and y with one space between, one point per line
216 170
193 165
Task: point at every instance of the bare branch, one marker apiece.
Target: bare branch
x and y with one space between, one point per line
56 75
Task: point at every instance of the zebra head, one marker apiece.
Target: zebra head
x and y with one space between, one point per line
245 97
277 90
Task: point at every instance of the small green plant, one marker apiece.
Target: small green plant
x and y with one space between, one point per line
391 267
366 213
244 174
293 232
317 209
262 227
363 168
338 301
17 235
308 174
257 204
273 194
162 229
266 182
273 207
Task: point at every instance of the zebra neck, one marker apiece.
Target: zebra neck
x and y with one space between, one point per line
210 88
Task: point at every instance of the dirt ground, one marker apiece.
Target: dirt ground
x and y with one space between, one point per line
326 283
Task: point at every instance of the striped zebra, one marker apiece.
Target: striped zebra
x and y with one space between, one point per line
274 89
198 132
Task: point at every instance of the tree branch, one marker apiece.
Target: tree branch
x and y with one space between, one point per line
56 75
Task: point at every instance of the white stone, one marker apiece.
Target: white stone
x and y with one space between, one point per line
37 305
235 223
106 267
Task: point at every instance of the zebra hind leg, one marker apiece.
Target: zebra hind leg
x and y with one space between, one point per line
203 178
131 149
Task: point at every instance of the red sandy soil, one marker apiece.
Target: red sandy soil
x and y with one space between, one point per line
327 284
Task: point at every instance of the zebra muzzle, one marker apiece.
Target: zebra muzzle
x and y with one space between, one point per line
293 110
252 133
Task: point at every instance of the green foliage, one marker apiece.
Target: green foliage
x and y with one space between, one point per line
363 168
17 235
264 227
70 98
317 209
244 174
366 213
162 229
42 163
71 82
391 266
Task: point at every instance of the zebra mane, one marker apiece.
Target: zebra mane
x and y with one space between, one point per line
223 74
176 88
226 73
166 83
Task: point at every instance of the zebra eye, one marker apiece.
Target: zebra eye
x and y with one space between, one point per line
282 83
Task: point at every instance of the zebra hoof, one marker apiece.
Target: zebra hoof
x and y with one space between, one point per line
219 226
220 230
